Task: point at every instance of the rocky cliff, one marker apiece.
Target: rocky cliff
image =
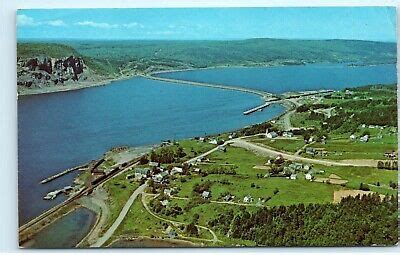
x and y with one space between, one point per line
45 71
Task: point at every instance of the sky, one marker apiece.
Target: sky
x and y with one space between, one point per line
358 23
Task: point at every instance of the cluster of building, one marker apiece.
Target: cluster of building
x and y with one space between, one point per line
273 134
364 138
312 151
294 168
157 173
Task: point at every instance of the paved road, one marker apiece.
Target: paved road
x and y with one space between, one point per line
120 217
273 153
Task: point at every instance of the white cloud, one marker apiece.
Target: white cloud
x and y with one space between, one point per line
130 25
108 25
56 23
23 20
97 25
166 32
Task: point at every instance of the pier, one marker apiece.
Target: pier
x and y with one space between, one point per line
48 179
268 98
256 108
30 228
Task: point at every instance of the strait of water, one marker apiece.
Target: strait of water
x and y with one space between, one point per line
292 78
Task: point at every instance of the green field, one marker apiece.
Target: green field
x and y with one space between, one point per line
119 190
366 175
239 185
347 149
139 222
301 120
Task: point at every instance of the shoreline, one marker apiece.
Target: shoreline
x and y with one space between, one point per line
109 81
79 86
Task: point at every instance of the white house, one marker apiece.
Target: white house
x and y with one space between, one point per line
353 137
153 163
165 203
170 232
167 192
228 198
364 138
197 170
214 141
205 194
309 176
247 199
293 176
160 177
176 170
141 173
272 135
287 134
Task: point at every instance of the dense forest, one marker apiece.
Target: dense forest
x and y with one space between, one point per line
359 221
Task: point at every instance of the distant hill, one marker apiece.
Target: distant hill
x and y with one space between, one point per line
113 59
149 55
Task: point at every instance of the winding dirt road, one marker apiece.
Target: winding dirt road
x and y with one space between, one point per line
177 223
238 142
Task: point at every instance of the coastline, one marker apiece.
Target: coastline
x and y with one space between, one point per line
78 86
108 81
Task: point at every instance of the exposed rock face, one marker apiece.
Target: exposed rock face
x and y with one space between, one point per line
36 72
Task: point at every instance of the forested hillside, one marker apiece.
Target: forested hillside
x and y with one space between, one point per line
356 221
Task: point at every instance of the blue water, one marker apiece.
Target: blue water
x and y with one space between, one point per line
292 78
66 232
61 130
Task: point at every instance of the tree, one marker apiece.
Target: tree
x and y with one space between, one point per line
185 169
393 185
143 160
180 153
364 187
191 229
196 217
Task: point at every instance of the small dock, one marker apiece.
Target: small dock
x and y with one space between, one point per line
53 194
258 108
48 179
